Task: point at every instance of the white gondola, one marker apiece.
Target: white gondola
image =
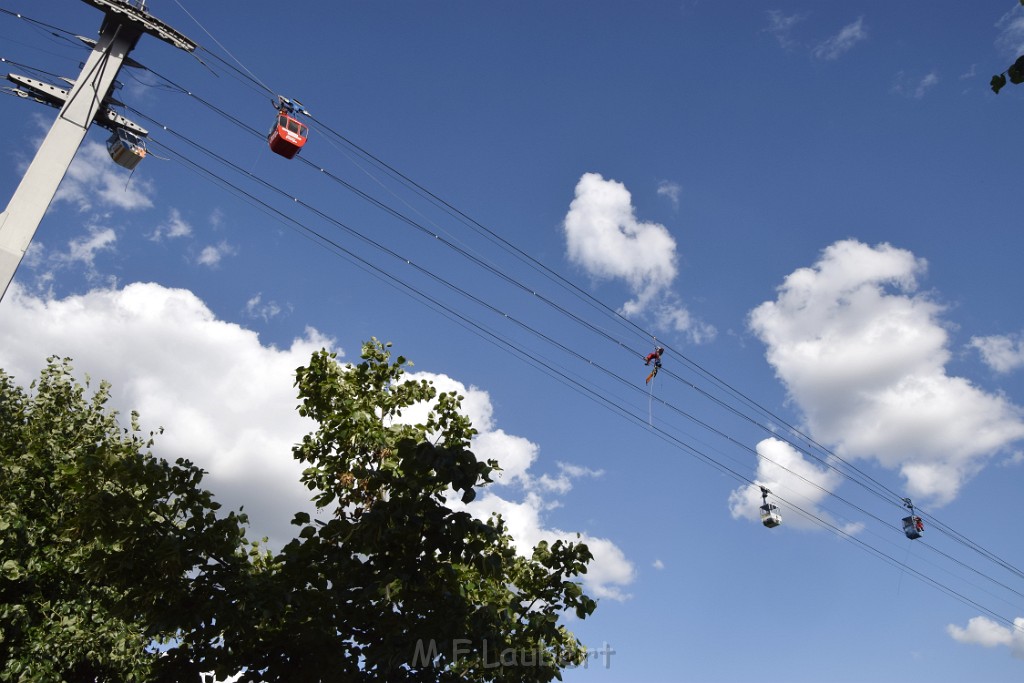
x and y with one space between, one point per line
126 148
770 516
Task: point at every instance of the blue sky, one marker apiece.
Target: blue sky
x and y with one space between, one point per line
812 205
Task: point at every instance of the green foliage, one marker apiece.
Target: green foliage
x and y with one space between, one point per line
115 565
397 586
997 83
105 548
1015 73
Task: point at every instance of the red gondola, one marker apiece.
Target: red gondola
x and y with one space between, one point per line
288 135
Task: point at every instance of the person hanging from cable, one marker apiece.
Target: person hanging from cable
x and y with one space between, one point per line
656 357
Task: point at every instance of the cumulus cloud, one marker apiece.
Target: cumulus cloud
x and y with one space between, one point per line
1002 353
863 355
610 570
788 474
226 400
93 178
841 43
228 403
988 633
605 238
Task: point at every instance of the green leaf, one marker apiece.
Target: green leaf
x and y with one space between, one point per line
11 570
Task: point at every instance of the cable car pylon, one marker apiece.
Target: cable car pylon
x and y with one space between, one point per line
124 22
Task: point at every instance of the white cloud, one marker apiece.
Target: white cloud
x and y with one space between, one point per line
610 571
607 574
604 237
658 564
927 83
988 633
1015 458
562 482
579 471
94 178
226 400
915 88
558 484
228 404
788 474
842 42
781 26
1002 353
256 308
1010 39
864 357
670 314
513 453
211 255
84 249
81 251
176 226
667 188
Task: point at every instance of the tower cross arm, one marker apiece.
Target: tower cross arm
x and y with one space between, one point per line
57 97
134 12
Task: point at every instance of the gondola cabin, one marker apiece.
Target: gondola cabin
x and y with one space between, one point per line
287 136
913 527
770 516
126 148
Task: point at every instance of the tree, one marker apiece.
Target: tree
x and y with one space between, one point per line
396 585
1015 73
116 566
106 551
